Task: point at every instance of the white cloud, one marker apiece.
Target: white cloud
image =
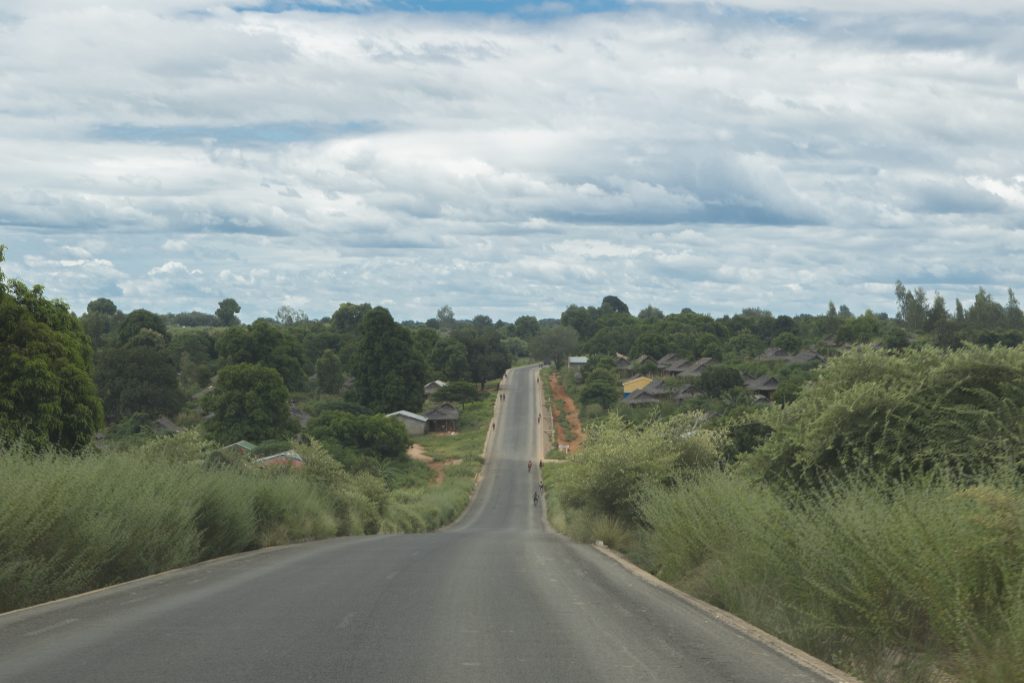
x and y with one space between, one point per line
686 156
174 268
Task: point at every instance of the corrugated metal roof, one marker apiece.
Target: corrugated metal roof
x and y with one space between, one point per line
408 414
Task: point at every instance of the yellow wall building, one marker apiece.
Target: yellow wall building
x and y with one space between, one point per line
634 384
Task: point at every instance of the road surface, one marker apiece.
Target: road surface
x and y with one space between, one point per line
494 597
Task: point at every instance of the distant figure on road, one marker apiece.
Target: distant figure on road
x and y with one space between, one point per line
536 497
529 466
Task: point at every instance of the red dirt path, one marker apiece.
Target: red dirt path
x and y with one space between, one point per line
571 415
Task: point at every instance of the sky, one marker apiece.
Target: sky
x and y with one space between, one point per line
511 158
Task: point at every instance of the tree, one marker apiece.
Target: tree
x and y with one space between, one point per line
265 343
138 378
47 396
938 315
525 327
100 321
389 373
601 387
715 380
985 312
450 359
286 315
101 305
486 356
329 374
1014 315
348 316
374 435
913 306
446 317
227 312
554 344
788 342
613 304
138 320
583 320
248 402
650 314
458 392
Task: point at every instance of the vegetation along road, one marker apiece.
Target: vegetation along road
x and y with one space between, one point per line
495 597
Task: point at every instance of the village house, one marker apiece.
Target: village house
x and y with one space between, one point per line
763 386
431 388
287 458
414 423
635 384
443 418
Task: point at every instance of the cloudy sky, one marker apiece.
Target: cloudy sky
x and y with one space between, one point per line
511 158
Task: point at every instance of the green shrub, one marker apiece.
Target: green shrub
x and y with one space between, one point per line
619 462
898 414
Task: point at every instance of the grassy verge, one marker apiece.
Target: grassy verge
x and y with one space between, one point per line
917 581
69 525
430 507
908 579
412 510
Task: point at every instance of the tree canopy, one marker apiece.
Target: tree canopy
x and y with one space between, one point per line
47 396
388 371
248 402
227 312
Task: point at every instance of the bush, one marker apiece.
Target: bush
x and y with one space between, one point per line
620 462
900 414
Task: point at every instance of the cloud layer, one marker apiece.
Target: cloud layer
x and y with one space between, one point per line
771 153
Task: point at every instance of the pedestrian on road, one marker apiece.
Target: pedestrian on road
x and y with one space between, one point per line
529 466
536 497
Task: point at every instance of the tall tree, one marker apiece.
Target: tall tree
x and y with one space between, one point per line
554 344
47 396
227 312
602 387
138 374
248 402
101 320
525 327
264 343
329 374
138 320
450 359
389 373
613 304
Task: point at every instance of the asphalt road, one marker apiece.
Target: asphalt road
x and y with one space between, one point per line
494 597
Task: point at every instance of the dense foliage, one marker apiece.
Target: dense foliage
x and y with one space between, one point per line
248 402
389 374
47 396
898 414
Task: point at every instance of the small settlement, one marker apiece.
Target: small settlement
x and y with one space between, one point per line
649 381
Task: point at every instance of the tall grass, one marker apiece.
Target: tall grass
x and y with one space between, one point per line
73 524
891 581
414 510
